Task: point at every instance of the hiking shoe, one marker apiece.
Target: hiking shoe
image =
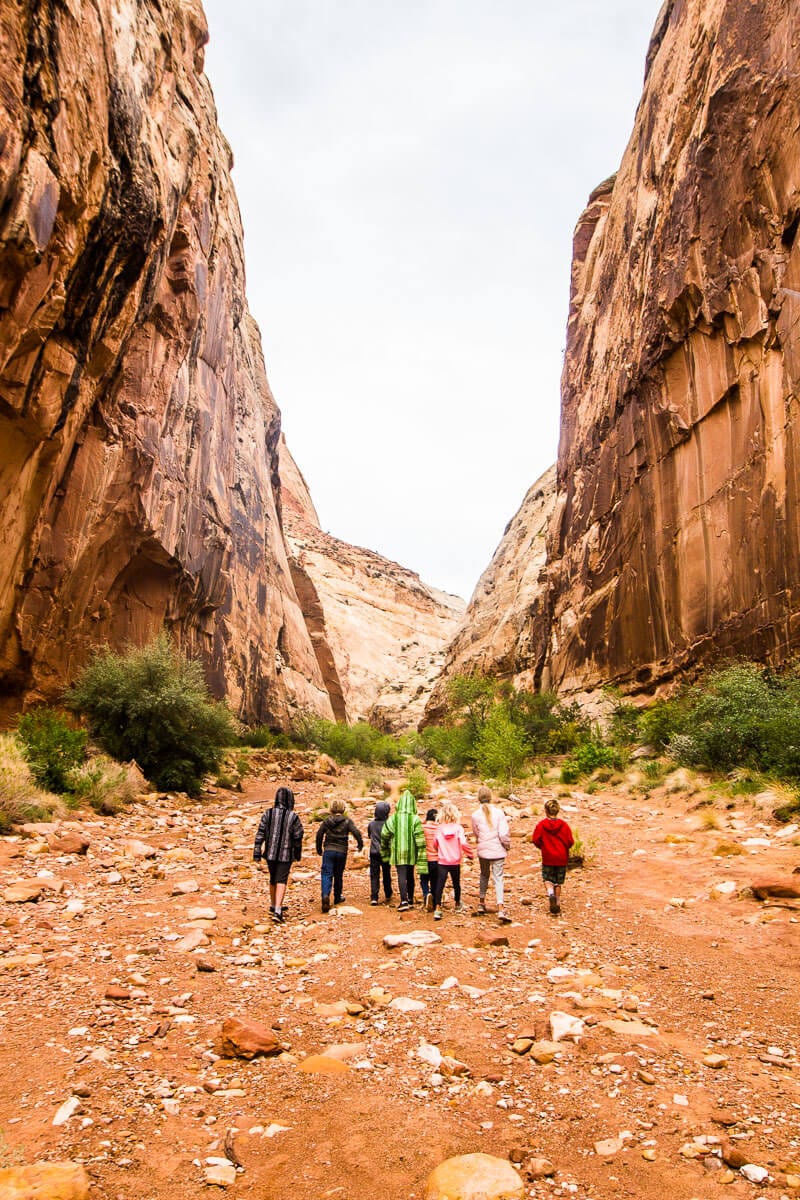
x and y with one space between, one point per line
503 918
341 900
326 904
373 902
482 910
429 903
403 906
277 917
437 916
553 905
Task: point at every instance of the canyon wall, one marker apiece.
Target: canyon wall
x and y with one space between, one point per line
677 528
138 435
503 632
675 537
379 632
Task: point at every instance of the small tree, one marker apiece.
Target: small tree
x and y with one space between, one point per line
152 705
502 748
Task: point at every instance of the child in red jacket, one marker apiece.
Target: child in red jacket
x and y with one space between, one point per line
553 837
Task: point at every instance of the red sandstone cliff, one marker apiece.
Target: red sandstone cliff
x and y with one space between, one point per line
676 532
138 435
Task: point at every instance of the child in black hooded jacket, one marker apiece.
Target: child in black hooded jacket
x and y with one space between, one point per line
377 867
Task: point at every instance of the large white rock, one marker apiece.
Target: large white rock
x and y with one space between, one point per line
474 1177
415 937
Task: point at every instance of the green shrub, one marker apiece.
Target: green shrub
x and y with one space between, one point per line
417 783
450 745
52 747
502 748
663 719
20 799
101 784
623 729
263 738
152 705
345 743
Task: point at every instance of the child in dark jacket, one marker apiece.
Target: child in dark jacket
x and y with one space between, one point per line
332 840
377 867
553 837
279 843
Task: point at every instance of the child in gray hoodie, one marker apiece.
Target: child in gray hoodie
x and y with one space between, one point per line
377 867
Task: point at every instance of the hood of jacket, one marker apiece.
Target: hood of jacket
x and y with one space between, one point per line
284 798
407 804
382 810
337 820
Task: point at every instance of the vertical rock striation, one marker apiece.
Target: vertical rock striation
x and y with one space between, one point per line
676 532
138 434
675 536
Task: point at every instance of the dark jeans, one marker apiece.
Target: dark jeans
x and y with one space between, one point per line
428 882
333 864
441 879
405 883
379 869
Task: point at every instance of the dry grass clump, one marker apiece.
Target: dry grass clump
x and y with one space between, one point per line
727 849
102 784
20 799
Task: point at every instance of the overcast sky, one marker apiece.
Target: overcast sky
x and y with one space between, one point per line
410 173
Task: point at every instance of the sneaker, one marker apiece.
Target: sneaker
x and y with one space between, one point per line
503 918
326 904
553 904
481 908
429 903
462 908
341 900
277 917
403 906
374 903
437 916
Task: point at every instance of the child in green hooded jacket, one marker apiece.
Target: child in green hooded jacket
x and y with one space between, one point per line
403 845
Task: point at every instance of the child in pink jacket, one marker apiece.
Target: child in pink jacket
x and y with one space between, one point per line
451 843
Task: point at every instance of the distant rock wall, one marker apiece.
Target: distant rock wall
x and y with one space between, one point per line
379 632
138 435
503 632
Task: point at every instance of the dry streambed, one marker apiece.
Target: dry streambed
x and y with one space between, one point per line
160 1036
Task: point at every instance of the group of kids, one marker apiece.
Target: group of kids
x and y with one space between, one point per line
434 849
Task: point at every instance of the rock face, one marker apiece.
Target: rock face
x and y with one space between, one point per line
378 631
502 632
676 532
138 434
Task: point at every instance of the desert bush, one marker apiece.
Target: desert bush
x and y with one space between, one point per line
52 747
261 737
502 749
450 745
100 783
152 705
586 758
624 721
360 742
417 783
20 799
